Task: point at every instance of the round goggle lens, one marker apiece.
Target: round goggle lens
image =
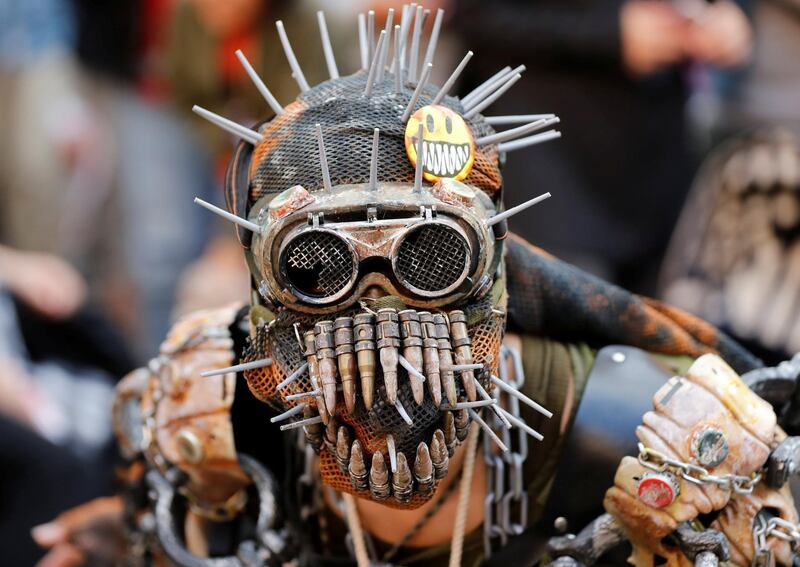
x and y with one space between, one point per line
432 258
318 264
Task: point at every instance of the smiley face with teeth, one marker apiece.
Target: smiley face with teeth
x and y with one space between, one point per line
449 148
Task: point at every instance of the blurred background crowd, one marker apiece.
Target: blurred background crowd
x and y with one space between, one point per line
676 176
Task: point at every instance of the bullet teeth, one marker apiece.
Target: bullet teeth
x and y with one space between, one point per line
411 332
378 477
445 358
330 436
364 335
461 423
423 469
463 349
326 357
313 373
450 432
439 456
357 469
388 333
401 481
343 339
313 432
343 449
430 357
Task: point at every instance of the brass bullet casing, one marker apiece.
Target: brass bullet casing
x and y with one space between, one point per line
411 333
331 434
450 432
445 358
313 373
314 431
423 469
388 333
430 357
364 335
462 345
345 356
378 477
402 483
439 456
357 468
462 423
326 357
343 448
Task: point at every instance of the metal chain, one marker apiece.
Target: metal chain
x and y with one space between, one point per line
506 502
772 527
658 461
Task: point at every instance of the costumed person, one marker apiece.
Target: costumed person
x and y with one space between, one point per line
394 326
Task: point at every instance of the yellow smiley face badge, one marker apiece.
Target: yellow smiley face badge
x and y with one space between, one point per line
448 147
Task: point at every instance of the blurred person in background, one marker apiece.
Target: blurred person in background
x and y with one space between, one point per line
616 74
58 363
735 256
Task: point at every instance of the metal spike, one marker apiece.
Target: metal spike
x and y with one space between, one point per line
288 413
364 335
302 423
333 71
403 413
439 456
437 26
520 396
398 64
343 448
452 79
470 405
370 36
357 468
373 68
445 358
450 435
388 333
506 135
462 345
514 210
462 423
391 448
303 395
384 52
326 356
402 480
515 119
413 55
378 477
373 163
420 160
423 469
237 368
474 415
492 87
495 408
260 86
430 357
522 425
297 72
229 126
397 69
312 431
294 376
426 72
323 160
419 377
362 41
493 97
529 141
470 96
343 339
461 367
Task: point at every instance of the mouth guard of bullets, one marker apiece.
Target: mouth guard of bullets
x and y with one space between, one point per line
417 364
